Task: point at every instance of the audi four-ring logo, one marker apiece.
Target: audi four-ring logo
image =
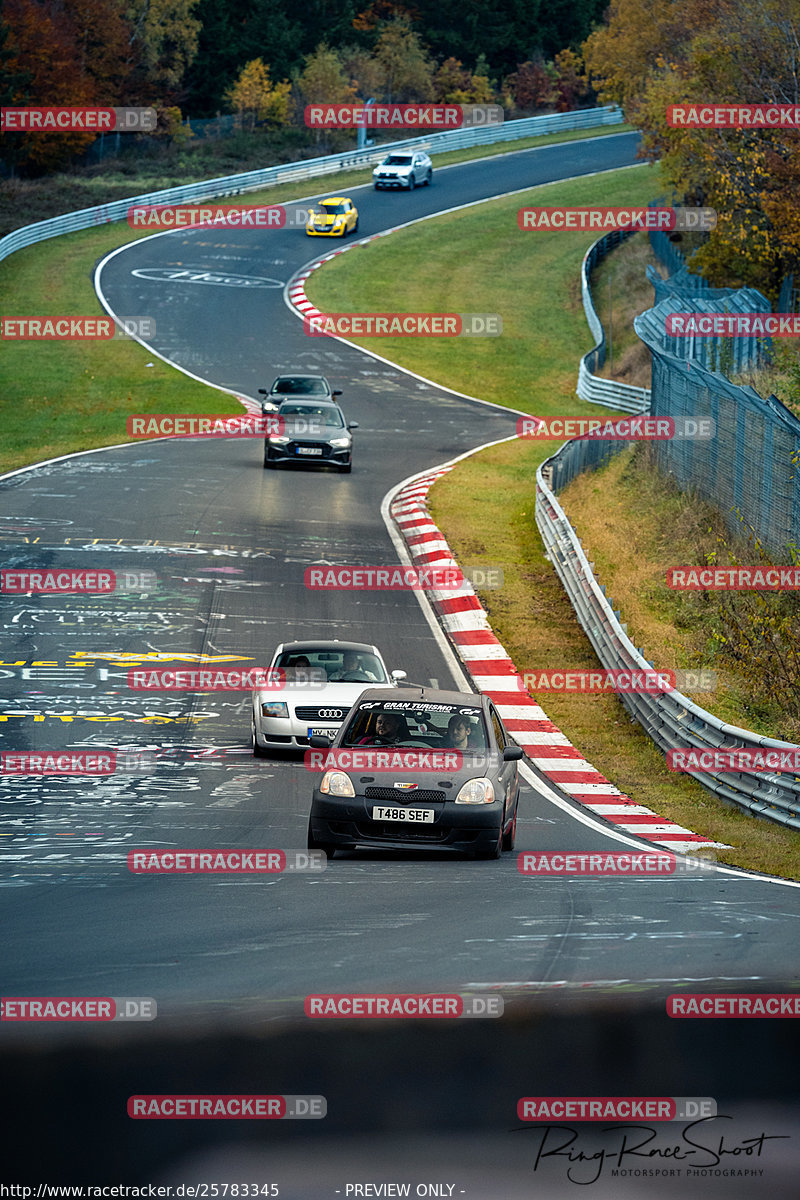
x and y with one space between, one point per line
331 712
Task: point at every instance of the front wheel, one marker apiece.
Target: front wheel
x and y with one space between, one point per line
355 227
346 470
429 178
411 182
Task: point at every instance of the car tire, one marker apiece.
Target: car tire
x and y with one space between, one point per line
411 182
355 227
312 844
429 178
346 470
268 462
258 751
510 837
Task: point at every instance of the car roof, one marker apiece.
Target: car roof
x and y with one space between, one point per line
335 200
326 644
426 695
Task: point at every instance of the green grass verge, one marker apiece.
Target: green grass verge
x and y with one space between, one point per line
59 397
481 262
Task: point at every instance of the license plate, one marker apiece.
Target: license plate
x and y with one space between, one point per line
309 449
323 731
425 815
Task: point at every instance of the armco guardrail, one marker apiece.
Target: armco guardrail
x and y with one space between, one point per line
669 718
591 387
249 181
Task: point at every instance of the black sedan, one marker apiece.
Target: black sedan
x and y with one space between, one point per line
434 770
310 432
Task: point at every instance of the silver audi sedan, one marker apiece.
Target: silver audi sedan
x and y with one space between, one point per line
315 684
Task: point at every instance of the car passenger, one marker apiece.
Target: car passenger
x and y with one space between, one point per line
459 732
390 728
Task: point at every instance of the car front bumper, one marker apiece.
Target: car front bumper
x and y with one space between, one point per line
463 828
330 455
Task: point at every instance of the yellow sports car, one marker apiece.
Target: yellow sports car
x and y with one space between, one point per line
335 217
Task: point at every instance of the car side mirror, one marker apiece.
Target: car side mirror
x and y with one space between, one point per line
262 391
319 742
399 675
338 392
512 753
353 425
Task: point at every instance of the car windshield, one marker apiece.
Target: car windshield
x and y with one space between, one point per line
411 723
327 210
300 384
397 160
315 414
342 666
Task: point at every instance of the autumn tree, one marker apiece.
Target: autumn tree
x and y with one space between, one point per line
255 97
43 50
165 34
406 69
717 51
532 85
103 40
572 85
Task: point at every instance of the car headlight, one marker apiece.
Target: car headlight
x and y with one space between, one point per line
339 442
336 783
278 439
274 708
476 791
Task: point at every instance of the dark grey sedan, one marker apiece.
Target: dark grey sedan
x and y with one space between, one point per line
309 432
432 769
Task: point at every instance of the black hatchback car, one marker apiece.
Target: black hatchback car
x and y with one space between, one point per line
312 432
433 770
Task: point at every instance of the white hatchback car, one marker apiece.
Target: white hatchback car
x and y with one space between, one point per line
318 682
403 169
